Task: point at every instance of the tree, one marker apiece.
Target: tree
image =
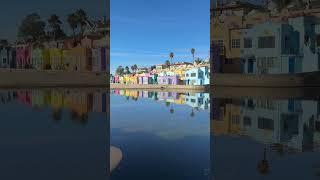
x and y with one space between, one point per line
171 55
73 23
167 63
32 28
153 67
134 68
55 26
193 51
82 18
171 110
198 61
120 70
127 70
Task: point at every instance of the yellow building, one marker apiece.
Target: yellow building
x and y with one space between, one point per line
226 31
46 59
56 56
79 59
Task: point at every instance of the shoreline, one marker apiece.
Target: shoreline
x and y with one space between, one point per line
159 87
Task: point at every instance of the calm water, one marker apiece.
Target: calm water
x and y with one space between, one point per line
166 135
66 134
54 134
260 138
162 135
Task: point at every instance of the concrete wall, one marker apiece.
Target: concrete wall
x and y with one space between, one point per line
33 78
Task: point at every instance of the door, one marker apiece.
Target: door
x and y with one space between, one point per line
291 64
250 65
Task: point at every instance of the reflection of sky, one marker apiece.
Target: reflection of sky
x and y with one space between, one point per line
148 116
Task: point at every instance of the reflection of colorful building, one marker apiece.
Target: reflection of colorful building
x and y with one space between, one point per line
293 124
38 98
25 97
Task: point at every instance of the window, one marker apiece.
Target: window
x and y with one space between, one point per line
265 123
235 119
220 43
228 61
235 43
193 74
193 100
266 42
247 43
246 121
318 40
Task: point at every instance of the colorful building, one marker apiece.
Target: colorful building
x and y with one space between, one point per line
23 56
198 76
5 57
56 58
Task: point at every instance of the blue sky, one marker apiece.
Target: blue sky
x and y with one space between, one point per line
13 11
144 32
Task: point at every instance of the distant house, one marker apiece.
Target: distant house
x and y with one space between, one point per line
37 58
80 59
99 59
56 57
198 76
23 56
148 78
168 78
5 57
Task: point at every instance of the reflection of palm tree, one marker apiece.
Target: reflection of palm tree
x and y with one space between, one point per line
167 103
263 165
171 110
279 148
192 113
56 114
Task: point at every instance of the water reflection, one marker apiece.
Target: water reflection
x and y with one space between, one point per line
279 138
44 132
162 135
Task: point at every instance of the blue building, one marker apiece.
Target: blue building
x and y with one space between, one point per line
198 76
281 47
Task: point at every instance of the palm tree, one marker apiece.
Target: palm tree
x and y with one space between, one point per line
82 19
54 23
263 165
167 103
193 51
167 63
73 23
171 110
171 55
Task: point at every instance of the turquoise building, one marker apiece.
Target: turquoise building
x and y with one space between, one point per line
198 76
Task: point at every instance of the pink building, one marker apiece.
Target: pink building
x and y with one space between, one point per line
23 56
